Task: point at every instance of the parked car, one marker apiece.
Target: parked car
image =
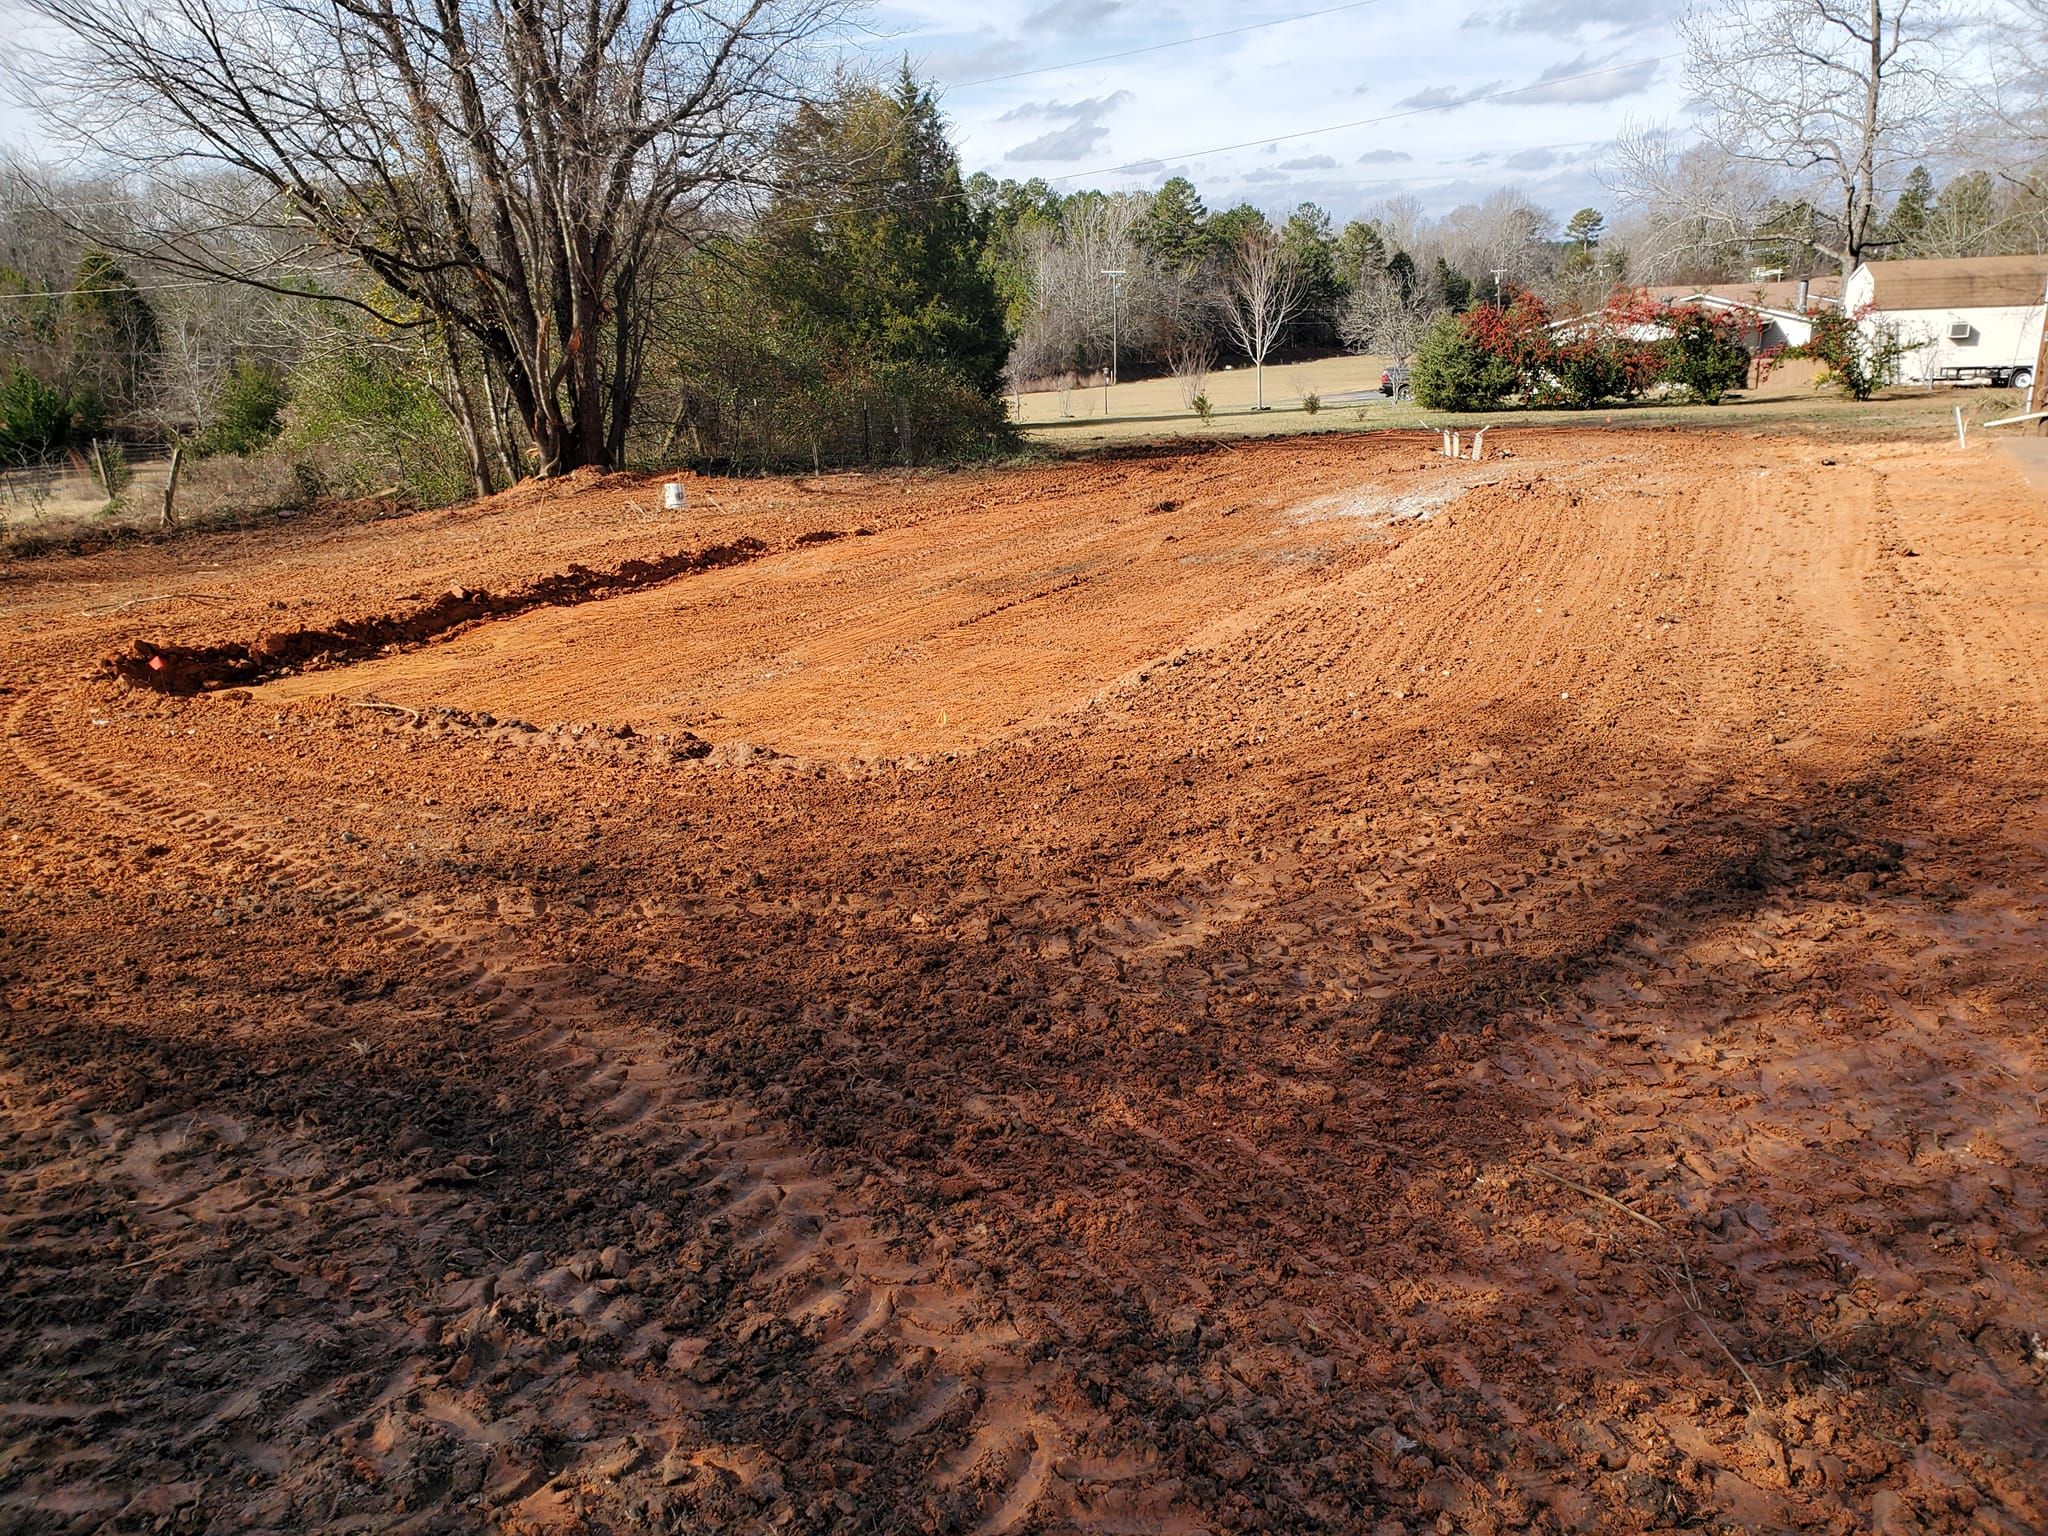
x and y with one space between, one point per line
1394 383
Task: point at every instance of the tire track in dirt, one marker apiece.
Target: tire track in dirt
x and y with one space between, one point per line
1610 854
1223 1027
937 1361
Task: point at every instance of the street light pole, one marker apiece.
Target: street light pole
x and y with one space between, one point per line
1114 274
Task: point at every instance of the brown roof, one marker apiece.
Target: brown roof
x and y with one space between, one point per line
1773 295
1961 282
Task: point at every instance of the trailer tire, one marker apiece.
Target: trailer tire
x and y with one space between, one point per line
2022 377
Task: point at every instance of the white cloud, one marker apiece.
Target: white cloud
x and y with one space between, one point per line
1447 96
1567 19
1085 127
1588 80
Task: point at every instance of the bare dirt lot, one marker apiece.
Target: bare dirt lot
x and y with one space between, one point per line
1300 986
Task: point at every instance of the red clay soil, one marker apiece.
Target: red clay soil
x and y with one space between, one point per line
1297 987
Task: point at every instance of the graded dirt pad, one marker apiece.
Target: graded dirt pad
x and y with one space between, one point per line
1295 987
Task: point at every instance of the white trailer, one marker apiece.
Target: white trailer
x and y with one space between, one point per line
1964 320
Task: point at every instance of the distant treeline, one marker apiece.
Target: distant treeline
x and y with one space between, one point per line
869 306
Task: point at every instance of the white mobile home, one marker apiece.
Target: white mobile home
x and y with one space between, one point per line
1969 319
1764 329
1775 311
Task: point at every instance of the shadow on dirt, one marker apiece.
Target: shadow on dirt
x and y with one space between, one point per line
1217 1198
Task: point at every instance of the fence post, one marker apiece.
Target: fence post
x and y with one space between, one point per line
170 517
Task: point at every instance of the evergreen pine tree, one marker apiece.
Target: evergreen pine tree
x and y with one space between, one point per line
1906 228
1175 227
874 243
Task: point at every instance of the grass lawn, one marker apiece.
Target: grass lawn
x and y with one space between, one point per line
1151 410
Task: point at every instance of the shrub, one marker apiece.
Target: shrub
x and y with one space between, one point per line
1857 355
1311 402
229 488
36 420
362 421
1705 356
248 413
1520 335
110 467
1455 369
1587 370
1203 407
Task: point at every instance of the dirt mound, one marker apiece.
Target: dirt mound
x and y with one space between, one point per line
184 669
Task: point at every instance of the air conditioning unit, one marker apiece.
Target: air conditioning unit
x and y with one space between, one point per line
1959 330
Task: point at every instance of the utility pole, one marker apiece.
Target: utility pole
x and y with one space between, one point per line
1498 274
1114 274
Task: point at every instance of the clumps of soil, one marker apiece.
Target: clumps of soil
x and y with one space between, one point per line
665 746
187 669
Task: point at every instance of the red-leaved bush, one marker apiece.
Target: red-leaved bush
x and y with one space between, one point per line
1633 343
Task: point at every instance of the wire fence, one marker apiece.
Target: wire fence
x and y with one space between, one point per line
77 482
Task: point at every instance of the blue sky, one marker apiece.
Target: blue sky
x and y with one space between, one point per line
1577 69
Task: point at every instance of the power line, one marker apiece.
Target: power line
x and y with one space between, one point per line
1179 42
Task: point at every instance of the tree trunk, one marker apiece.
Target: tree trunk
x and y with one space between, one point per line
668 439
463 407
500 443
1864 193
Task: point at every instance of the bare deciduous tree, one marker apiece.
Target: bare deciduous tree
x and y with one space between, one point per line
1191 354
1503 233
507 171
1262 294
2014 93
1837 95
1070 317
1385 316
1696 207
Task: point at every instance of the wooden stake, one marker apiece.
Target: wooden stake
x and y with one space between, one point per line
170 517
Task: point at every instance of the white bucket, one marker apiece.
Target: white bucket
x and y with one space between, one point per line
675 496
